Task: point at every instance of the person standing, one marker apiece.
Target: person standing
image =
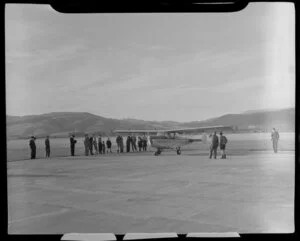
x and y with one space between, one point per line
128 144
118 143
223 142
214 145
108 145
144 143
99 145
275 138
140 143
47 146
103 147
209 141
32 147
95 145
86 144
72 144
121 144
91 145
133 143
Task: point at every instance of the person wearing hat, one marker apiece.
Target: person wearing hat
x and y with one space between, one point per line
32 147
214 145
223 142
47 146
72 144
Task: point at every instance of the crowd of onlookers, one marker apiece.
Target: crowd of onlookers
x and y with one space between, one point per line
96 145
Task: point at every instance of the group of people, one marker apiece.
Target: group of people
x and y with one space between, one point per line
132 143
94 145
215 142
32 146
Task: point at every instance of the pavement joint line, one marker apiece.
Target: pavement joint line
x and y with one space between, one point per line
68 208
74 190
64 210
79 190
203 197
74 207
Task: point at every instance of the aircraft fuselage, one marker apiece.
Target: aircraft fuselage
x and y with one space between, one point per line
164 142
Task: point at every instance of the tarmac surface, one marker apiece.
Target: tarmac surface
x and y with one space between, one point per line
139 192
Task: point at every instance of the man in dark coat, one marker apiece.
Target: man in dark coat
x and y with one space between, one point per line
108 145
128 141
72 144
103 147
223 142
32 147
47 146
121 144
118 140
91 145
144 143
86 144
214 145
100 145
140 143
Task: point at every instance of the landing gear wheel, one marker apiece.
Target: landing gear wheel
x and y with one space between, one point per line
178 151
157 153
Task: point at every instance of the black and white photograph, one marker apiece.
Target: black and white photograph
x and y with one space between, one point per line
150 122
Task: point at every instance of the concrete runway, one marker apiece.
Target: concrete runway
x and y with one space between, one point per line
139 192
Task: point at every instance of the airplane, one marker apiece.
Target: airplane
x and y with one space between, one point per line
169 139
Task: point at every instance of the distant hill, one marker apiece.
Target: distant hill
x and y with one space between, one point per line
283 119
60 124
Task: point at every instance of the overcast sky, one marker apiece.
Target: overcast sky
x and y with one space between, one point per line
176 66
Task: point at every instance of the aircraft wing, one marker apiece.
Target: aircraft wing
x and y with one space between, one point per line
180 131
206 129
137 131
